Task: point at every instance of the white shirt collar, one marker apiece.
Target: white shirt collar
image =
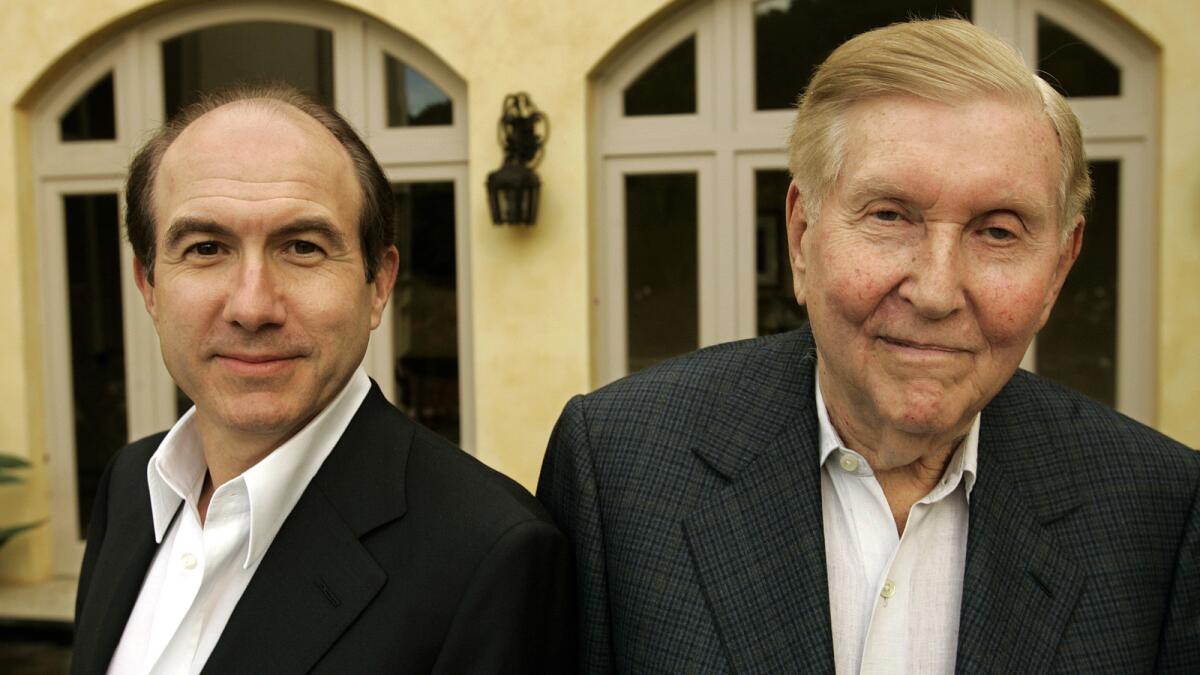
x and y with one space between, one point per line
176 471
962 464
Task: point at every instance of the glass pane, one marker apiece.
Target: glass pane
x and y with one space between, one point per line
412 100
792 37
92 117
668 86
257 51
1078 346
777 307
425 307
1072 66
662 294
97 337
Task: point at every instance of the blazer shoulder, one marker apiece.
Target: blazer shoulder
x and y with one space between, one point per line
695 381
1100 441
447 480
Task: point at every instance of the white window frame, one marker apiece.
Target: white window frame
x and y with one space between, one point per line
134 57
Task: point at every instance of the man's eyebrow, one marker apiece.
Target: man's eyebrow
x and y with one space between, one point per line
187 226
310 226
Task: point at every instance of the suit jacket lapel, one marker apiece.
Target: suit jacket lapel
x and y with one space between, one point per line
1019 587
759 546
317 577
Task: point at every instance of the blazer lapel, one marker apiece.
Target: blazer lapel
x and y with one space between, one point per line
127 550
758 546
1019 587
317 577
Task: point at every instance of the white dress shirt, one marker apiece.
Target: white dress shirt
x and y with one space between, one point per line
894 601
201 571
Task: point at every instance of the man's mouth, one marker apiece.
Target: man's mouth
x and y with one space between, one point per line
256 365
919 345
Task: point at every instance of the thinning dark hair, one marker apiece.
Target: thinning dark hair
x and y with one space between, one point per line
376 224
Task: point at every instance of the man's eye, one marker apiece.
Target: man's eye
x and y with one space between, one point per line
205 248
998 233
888 215
302 247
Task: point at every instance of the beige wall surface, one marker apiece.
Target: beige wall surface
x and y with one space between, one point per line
530 289
1172 24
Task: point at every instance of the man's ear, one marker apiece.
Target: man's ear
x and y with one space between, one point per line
381 285
144 285
1068 254
797 227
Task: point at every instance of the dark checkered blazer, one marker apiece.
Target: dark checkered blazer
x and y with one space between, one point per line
691 492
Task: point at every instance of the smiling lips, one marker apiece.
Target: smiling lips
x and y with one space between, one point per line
256 365
920 347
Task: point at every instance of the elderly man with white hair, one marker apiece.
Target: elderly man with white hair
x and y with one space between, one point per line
883 491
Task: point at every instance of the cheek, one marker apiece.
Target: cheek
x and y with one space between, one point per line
855 288
1009 312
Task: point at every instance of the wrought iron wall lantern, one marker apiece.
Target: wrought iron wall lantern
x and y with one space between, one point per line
513 188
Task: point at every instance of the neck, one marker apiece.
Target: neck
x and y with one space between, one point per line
230 453
906 466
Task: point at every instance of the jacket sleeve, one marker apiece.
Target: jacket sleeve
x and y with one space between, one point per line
517 615
1180 649
567 487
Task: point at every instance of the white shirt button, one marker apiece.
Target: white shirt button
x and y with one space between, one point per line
188 560
889 589
848 463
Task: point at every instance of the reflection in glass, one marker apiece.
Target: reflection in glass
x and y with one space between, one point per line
255 51
97 338
777 307
92 117
412 100
425 307
667 86
1078 346
791 37
662 297
1073 66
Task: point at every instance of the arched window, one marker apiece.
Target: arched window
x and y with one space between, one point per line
105 383
691 122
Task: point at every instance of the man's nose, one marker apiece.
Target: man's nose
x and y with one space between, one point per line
934 279
255 300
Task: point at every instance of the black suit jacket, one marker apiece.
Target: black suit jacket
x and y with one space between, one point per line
691 493
404 555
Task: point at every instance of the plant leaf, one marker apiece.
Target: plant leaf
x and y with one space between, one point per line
12 462
7 533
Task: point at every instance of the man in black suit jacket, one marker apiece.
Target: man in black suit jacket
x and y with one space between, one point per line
884 491
295 521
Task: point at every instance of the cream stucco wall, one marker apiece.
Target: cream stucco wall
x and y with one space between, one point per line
1171 24
530 287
